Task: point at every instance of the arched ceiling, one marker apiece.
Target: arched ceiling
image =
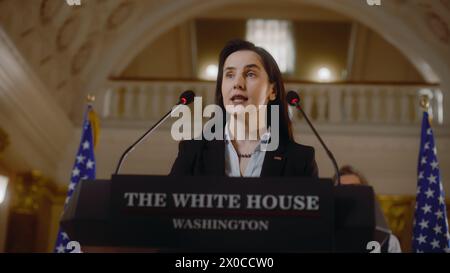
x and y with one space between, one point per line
74 50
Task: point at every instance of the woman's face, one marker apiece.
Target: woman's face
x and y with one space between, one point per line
245 81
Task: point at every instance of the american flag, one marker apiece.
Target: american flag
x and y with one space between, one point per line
430 230
83 168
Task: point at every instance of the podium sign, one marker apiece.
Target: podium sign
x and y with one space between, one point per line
223 214
219 214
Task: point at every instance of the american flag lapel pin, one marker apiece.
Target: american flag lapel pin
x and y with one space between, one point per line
277 157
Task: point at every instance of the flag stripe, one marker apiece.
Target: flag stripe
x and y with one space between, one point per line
83 169
430 230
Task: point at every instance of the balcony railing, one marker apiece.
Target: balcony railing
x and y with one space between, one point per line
339 103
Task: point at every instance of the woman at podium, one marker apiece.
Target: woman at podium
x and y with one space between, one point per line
248 76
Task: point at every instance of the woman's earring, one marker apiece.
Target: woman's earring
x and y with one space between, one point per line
273 96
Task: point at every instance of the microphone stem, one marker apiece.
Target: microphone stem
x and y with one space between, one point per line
131 148
330 155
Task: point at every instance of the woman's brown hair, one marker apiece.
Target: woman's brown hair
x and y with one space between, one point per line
275 78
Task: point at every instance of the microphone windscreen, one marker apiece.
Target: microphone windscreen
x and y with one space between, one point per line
292 98
187 97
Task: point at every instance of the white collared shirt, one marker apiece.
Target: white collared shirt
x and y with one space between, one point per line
254 166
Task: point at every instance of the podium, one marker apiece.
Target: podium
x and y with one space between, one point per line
132 213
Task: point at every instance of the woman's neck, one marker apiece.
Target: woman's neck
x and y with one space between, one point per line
240 130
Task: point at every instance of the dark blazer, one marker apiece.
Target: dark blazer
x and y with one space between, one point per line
202 157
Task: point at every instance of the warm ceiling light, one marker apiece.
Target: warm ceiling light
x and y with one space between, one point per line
324 74
211 72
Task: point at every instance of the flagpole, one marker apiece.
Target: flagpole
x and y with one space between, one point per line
83 169
90 99
425 105
430 226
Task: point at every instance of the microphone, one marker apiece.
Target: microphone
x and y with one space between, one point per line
294 100
186 98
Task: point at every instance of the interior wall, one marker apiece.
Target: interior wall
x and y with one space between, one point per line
212 35
375 59
320 44
186 50
170 56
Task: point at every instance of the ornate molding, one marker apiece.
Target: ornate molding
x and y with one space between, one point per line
4 140
49 9
120 15
32 214
31 188
39 130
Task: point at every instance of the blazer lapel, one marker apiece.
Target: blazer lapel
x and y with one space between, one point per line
274 162
214 158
